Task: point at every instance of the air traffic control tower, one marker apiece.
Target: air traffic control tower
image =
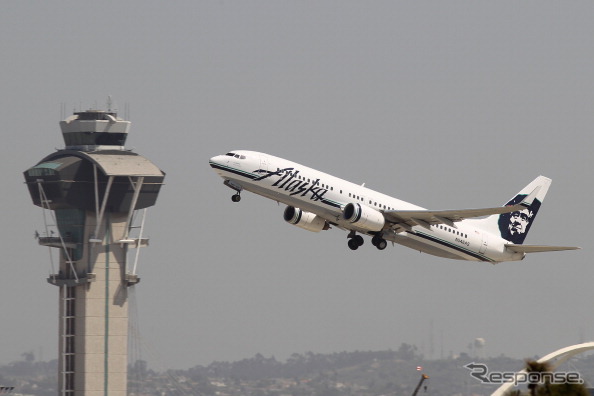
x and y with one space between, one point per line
91 193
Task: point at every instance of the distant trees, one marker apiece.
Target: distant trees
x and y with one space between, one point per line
407 352
299 365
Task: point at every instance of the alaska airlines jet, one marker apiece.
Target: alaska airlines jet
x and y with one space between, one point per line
317 201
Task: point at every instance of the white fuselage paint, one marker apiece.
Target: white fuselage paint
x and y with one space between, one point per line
326 195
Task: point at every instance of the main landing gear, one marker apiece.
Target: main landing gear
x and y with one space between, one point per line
379 242
357 240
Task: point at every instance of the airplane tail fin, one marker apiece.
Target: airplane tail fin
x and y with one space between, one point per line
514 226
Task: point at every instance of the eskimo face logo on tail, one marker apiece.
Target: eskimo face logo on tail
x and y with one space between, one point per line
514 226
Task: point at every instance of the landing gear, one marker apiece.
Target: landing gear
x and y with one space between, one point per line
381 245
353 244
379 242
236 187
355 241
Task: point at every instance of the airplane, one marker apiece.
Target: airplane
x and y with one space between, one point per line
316 201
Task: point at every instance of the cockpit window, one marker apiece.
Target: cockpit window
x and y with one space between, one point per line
235 155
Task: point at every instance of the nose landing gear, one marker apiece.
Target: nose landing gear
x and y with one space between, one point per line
236 187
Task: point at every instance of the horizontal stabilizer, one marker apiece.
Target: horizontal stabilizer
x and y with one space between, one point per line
538 248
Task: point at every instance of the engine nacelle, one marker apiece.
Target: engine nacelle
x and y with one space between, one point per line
364 217
306 220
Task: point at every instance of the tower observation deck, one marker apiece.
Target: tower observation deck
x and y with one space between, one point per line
95 190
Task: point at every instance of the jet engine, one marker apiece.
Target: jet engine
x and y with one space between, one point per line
306 220
364 217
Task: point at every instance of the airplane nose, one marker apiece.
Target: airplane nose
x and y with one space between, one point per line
215 160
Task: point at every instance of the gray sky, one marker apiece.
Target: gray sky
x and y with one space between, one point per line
448 105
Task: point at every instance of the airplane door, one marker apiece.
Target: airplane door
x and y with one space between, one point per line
485 243
264 162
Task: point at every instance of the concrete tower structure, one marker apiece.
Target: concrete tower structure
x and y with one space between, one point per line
92 190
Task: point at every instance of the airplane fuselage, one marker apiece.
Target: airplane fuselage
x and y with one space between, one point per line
327 196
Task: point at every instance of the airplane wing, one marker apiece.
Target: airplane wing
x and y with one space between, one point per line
538 248
405 219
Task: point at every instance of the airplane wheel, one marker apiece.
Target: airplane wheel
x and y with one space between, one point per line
236 198
381 244
375 240
358 240
353 244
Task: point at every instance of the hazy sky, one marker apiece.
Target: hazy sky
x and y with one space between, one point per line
449 104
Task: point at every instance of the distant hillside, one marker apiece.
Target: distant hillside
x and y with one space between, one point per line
362 373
